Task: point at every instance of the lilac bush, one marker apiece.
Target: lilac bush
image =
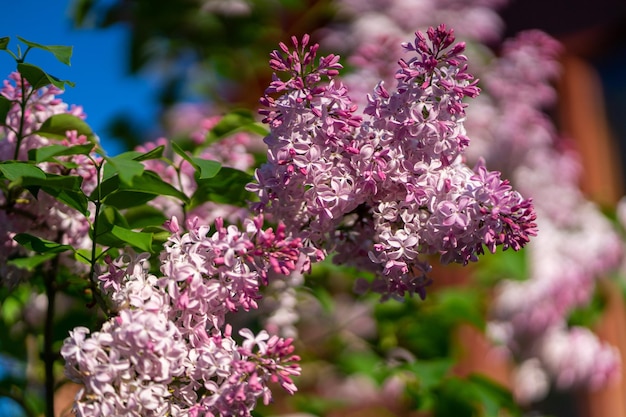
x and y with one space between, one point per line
386 190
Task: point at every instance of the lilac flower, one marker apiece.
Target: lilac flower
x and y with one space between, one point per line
169 349
388 188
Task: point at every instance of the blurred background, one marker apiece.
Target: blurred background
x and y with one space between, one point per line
136 61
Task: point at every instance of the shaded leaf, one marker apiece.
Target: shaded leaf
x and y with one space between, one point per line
231 123
155 153
430 373
74 199
49 153
492 397
144 188
62 182
5 107
126 167
31 262
13 170
4 42
39 78
113 230
144 216
139 240
226 187
39 245
57 126
206 168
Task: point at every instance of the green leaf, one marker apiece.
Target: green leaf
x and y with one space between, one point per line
113 230
227 187
139 240
51 152
155 153
204 168
13 170
39 245
31 262
5 107
65 188
143 188
126 168
57 126
39 78
63 182
4 42
62 53
207 168
507 264
144 216
74 199
231 123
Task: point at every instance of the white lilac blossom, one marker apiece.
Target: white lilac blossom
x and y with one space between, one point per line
169 351
40 214
386 189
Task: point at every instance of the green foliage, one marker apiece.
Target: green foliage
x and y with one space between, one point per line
62 53
52 152
5 107
205 168
233 122
226 187
16 170
39 245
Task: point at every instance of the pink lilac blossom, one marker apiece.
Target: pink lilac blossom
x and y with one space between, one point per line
40 215
510 130
169 349
385 189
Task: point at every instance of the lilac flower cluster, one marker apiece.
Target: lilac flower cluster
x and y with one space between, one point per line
511 132
389 188
169 351
41 215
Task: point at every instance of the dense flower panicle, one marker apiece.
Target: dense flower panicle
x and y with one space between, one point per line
41 215
391 187
169 351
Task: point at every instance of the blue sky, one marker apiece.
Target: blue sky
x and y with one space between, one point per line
103 86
